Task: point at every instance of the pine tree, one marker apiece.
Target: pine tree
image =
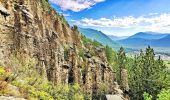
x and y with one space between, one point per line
147 75
121 62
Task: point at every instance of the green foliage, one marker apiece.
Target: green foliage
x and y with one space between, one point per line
96 44
2 71
45 4
103 89
47 91
99 36
121 56
85 40
110 55
34 86
164 95
146 96
91 45
4 74
66 55
62 18
147 74
81 53
3 84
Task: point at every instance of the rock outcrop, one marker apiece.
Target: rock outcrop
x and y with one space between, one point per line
31 28
10 98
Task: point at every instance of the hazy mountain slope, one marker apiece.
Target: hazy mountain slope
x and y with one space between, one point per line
135 41
148 35
98 36
163 42
116 38
146 38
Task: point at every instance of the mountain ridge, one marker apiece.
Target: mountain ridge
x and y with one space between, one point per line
99 36
144 39
116 38
148 35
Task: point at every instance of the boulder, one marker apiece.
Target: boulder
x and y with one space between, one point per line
114 97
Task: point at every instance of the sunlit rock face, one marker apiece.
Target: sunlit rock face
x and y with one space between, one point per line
31 28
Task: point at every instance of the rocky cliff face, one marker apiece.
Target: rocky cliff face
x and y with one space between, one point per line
31 28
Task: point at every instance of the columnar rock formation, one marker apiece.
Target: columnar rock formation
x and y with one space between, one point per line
31 28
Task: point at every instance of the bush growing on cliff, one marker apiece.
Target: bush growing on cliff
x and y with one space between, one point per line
164 95
4 78
45 4
111 56
85 40
96 43
2 71
146 96
33 86
81 53
62 18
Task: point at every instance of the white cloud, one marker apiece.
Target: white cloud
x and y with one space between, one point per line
75 5
159 22
66 15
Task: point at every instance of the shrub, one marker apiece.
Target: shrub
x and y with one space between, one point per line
96 43
4 74
66 55
33 87
146 96
45 4
164 95
62 18
81 53
110 55
2 71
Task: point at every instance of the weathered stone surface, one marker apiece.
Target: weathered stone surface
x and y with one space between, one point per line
31 31
124 80
114 97
10 98
10 89
4 11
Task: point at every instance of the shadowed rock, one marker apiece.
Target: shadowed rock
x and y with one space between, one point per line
4 11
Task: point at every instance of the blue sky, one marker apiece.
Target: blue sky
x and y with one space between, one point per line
117 17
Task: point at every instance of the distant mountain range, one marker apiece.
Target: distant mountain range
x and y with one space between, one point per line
147 38
132 43
163 42
148 35
116 38
99 36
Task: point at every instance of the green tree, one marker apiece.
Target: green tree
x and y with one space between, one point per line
109 54
121 62
147 75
